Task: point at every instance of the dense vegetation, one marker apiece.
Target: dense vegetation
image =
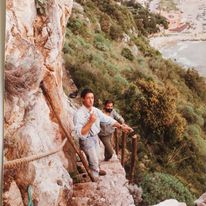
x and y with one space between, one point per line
106 48
160 186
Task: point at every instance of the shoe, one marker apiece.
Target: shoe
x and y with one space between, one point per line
96 179
107 158
102 173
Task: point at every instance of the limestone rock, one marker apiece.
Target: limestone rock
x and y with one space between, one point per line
33 54
111 189
201 201
78 7
171 202
126 38
13 196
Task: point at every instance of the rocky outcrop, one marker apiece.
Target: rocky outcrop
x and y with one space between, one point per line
171 202
34 39
201 201
112 189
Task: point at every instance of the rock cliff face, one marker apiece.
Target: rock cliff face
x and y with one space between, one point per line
34 40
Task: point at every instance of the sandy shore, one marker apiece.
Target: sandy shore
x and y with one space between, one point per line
191 12
163 40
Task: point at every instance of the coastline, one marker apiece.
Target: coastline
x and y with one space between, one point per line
162 40
178 44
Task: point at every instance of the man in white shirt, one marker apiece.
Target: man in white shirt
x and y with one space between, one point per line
87 126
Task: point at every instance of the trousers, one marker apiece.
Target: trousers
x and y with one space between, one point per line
90 146
108 149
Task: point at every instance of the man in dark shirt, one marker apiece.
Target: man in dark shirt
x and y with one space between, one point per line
107 130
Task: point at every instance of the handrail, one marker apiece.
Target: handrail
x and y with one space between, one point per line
24 160
135 139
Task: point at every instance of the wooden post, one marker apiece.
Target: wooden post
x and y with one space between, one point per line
133 158
116 137
124 136
67 134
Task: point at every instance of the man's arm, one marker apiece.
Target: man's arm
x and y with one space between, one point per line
118 117
80 127
118 125
85 130
109 120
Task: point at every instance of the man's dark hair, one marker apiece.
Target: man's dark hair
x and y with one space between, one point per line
85 92
108 101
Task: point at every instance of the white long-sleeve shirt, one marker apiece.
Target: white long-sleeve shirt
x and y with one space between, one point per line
81 117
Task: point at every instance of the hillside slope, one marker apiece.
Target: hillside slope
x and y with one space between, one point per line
106 48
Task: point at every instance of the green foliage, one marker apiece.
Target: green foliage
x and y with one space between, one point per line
116 32
196 83
105 23
191 116
157 107
127 54
146 22
78 26
144 47
118 13
101 43
159 187
194 134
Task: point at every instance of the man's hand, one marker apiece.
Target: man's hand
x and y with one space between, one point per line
126 128
92 118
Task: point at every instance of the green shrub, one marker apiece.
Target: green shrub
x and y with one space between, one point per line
194 131
78 26
116 32
144 47
194 134
146 22
159 116
127 54
196 83
66 48
101 43
105 23
158 187
75 25
191 116
118 13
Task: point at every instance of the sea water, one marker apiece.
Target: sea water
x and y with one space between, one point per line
187 53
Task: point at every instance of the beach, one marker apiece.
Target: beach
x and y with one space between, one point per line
185 39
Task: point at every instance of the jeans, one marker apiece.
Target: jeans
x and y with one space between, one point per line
90 146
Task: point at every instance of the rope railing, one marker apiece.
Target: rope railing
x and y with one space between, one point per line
24 160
